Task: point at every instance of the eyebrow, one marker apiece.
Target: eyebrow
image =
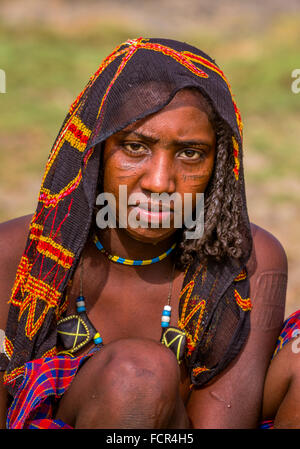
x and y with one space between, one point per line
153 140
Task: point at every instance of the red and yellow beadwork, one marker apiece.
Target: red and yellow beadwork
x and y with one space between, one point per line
244 304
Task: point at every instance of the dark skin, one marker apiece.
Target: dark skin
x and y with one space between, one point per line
281 401
171 151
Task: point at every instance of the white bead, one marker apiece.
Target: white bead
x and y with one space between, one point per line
80 304
169 308
165 318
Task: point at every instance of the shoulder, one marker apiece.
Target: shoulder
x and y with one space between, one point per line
13 237
267 252
267 269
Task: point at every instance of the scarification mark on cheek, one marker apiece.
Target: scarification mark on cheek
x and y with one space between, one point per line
125 176
200 177
127 166
268 300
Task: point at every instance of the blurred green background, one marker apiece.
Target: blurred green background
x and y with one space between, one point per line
48 51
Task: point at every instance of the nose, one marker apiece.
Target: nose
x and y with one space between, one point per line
159 174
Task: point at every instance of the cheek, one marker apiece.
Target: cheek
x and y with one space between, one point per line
108 178
194 181
118 170
112 168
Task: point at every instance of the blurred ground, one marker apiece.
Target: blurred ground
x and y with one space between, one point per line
49 49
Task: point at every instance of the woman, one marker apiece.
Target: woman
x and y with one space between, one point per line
158 117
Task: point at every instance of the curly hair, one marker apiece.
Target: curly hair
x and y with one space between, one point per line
222 236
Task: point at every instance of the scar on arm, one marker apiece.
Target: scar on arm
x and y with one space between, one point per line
216 396
269 300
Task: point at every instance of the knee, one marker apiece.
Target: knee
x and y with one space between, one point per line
134 366
128 383
143 361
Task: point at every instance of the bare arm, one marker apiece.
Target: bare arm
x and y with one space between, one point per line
234 398
13 235
282 388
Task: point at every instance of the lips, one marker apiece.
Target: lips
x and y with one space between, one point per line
153 214
155 207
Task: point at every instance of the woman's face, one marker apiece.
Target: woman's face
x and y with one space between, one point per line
169 152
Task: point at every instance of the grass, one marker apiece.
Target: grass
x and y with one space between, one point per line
45 70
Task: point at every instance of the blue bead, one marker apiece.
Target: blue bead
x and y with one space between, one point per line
166 313
98 244
80 298
98 340
164 324
81 309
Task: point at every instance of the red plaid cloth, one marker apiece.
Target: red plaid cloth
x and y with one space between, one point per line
45 381
290 330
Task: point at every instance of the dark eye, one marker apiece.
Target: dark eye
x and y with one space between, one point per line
191 154
134 147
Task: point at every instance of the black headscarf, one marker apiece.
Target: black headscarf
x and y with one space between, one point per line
139 78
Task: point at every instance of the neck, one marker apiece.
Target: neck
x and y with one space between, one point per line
118 242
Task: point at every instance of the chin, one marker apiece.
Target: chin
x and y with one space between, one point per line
153 236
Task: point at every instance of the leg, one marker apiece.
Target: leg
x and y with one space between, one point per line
130 383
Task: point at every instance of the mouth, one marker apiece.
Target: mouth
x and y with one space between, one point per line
153 214
154 207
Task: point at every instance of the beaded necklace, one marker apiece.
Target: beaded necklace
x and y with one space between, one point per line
166 313
75 331
123 261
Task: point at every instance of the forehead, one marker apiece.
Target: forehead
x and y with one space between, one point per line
190 97
188 112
